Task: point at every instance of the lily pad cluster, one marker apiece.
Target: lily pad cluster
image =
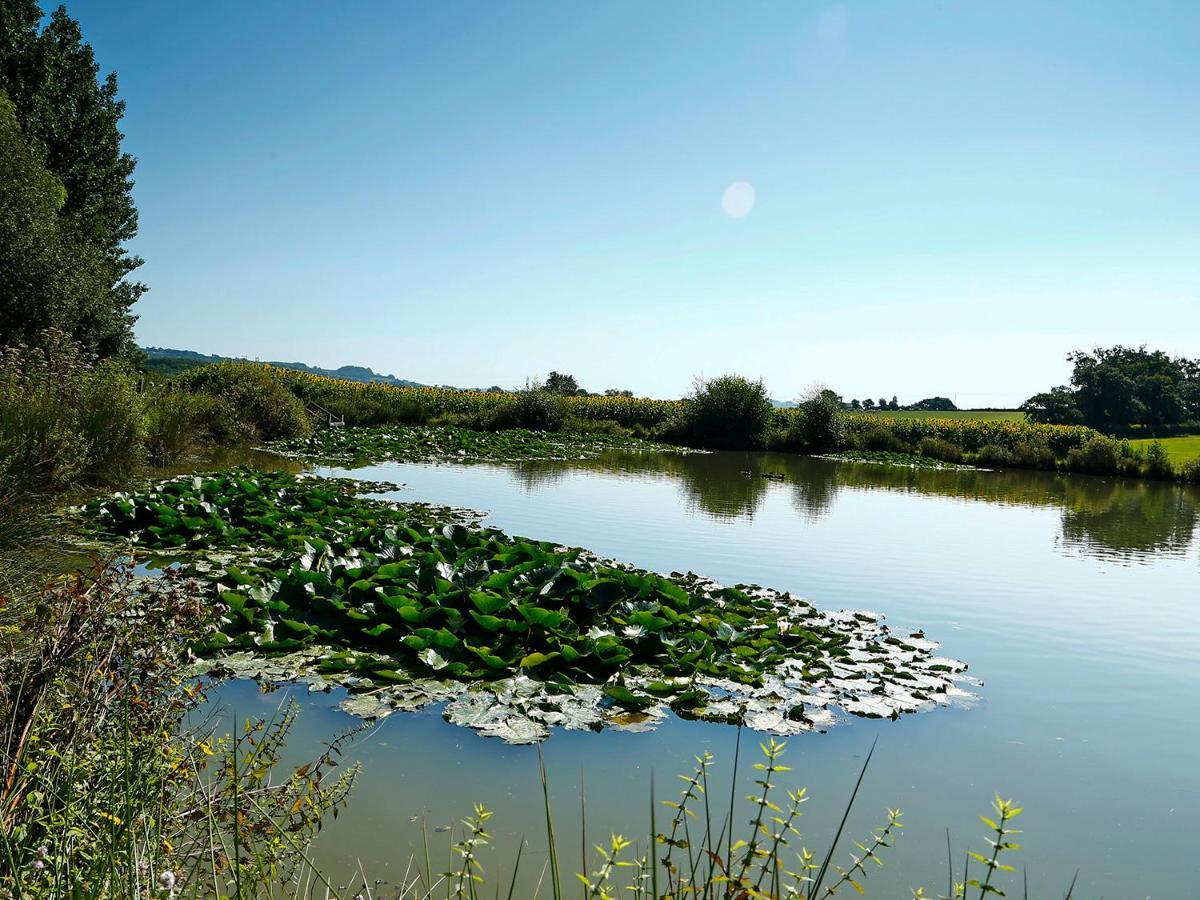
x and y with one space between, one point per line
419 605
405 443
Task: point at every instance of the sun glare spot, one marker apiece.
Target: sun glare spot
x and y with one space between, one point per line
738 199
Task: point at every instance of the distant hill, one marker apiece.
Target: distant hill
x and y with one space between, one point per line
169 361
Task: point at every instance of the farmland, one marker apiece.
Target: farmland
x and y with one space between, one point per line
972 415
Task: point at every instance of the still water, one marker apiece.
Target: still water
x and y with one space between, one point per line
1075 600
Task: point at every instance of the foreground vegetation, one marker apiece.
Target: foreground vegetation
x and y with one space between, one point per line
107 789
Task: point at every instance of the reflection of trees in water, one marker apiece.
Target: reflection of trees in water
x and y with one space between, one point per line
1129 518
1101 516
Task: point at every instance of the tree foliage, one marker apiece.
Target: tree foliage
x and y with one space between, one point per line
1120 389
61 120
562 384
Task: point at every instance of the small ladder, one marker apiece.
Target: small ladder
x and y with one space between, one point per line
324 416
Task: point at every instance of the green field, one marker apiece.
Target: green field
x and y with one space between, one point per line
1180 449
985 415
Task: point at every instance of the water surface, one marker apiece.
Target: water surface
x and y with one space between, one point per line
1075 601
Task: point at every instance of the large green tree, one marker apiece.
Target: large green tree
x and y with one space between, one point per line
68 120
1120 389
49 278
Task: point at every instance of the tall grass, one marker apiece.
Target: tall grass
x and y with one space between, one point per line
104 790
703 851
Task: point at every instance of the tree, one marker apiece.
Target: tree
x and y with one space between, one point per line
868 404
937 404
1053 407
1119 389
559 383
883 404
818 426
894 403
69 120
615 392
49 279
855 405
726 413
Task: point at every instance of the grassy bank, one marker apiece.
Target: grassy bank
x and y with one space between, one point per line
1181 451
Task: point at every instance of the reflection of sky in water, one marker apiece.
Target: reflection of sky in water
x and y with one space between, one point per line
1073 599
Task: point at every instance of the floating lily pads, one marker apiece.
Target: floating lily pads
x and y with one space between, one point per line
420 605
404 443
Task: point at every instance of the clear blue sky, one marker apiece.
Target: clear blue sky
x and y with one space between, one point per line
948 196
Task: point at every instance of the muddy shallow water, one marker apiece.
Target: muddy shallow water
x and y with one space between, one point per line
1075 600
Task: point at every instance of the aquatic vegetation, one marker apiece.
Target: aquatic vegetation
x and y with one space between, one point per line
520 635
892 458
416 443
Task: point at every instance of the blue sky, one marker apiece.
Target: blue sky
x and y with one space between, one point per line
948 196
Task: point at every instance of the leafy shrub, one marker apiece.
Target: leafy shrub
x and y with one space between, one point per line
993 455
177 423
817 425
261 400
1191 471
1157 464
937 448
595 426
1098 456
108 415
1032 454
63 419
884 439
532 408
729 412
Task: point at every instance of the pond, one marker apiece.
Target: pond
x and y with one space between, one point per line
1075 600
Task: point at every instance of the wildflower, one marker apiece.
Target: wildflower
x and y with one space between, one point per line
595 633
166 880
633 631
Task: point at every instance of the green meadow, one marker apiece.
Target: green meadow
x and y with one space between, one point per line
1180 450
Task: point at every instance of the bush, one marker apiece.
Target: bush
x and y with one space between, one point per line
817 425
885 440
1191 471
1032 454
937 448
261 401
993 455
535 409
595 426
1098 456
178 423
726 413
1156 462
63 419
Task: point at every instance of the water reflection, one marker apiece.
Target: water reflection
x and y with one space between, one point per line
1105 517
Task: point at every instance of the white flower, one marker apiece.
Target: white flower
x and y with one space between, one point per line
595 633
633 631
166 880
